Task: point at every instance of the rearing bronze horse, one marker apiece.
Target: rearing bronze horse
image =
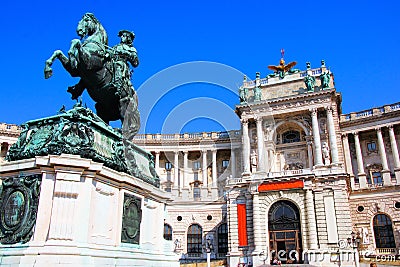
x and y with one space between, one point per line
91 60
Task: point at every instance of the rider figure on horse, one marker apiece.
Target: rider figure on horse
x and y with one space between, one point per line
123 53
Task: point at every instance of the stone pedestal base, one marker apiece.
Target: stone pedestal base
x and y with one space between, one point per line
86 215
397 174
387 180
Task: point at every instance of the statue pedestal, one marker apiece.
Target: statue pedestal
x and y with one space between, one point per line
87 215
73 192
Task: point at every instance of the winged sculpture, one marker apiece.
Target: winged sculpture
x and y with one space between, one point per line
282 69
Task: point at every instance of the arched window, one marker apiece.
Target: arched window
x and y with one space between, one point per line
222 240
167 232
383 231
284 215
290 137
194 240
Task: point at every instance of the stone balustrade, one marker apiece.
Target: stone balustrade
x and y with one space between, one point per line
272 80
286 173
234 134
369 112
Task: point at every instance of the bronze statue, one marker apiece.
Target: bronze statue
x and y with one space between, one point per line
102 72
123 53
325 80
310 83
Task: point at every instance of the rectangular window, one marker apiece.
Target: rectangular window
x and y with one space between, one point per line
371 146
225 164
196 192
168 166
377 178
196 165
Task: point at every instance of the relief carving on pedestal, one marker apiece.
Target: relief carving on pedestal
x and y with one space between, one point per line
19 199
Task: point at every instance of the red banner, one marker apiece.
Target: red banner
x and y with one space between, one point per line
280 185
242 224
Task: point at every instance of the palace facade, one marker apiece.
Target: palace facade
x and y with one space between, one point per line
300 181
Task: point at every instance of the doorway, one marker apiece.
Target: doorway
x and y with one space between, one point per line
284 232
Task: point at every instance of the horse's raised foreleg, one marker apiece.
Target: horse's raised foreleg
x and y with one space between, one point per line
48 71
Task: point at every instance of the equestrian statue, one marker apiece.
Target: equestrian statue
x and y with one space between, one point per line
104 72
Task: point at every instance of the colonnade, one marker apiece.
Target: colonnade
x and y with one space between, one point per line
362 176
184 175
313 143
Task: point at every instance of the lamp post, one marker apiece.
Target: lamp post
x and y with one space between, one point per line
354 241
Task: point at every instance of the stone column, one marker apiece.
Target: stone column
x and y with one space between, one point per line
395 150
362 178
266 161
246 147
309 152
312 225
157 163
382 153
395 153
332 136
176 169
185 176
257 224
204 166
317 138
347 157
260 144
233 163
214 168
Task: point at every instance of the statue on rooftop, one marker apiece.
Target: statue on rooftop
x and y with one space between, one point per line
310 83
104 72
282 69
325 79
243 94
257 93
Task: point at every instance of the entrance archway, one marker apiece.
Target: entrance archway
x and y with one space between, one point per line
284 232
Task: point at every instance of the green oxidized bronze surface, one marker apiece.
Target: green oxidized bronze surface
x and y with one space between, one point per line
81 132
19 199
103 70
131 219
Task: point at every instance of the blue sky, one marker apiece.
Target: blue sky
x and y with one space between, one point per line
359 40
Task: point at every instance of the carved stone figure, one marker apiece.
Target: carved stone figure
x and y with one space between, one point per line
364 235
254 161
310 82
325 153
97 65
325 79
